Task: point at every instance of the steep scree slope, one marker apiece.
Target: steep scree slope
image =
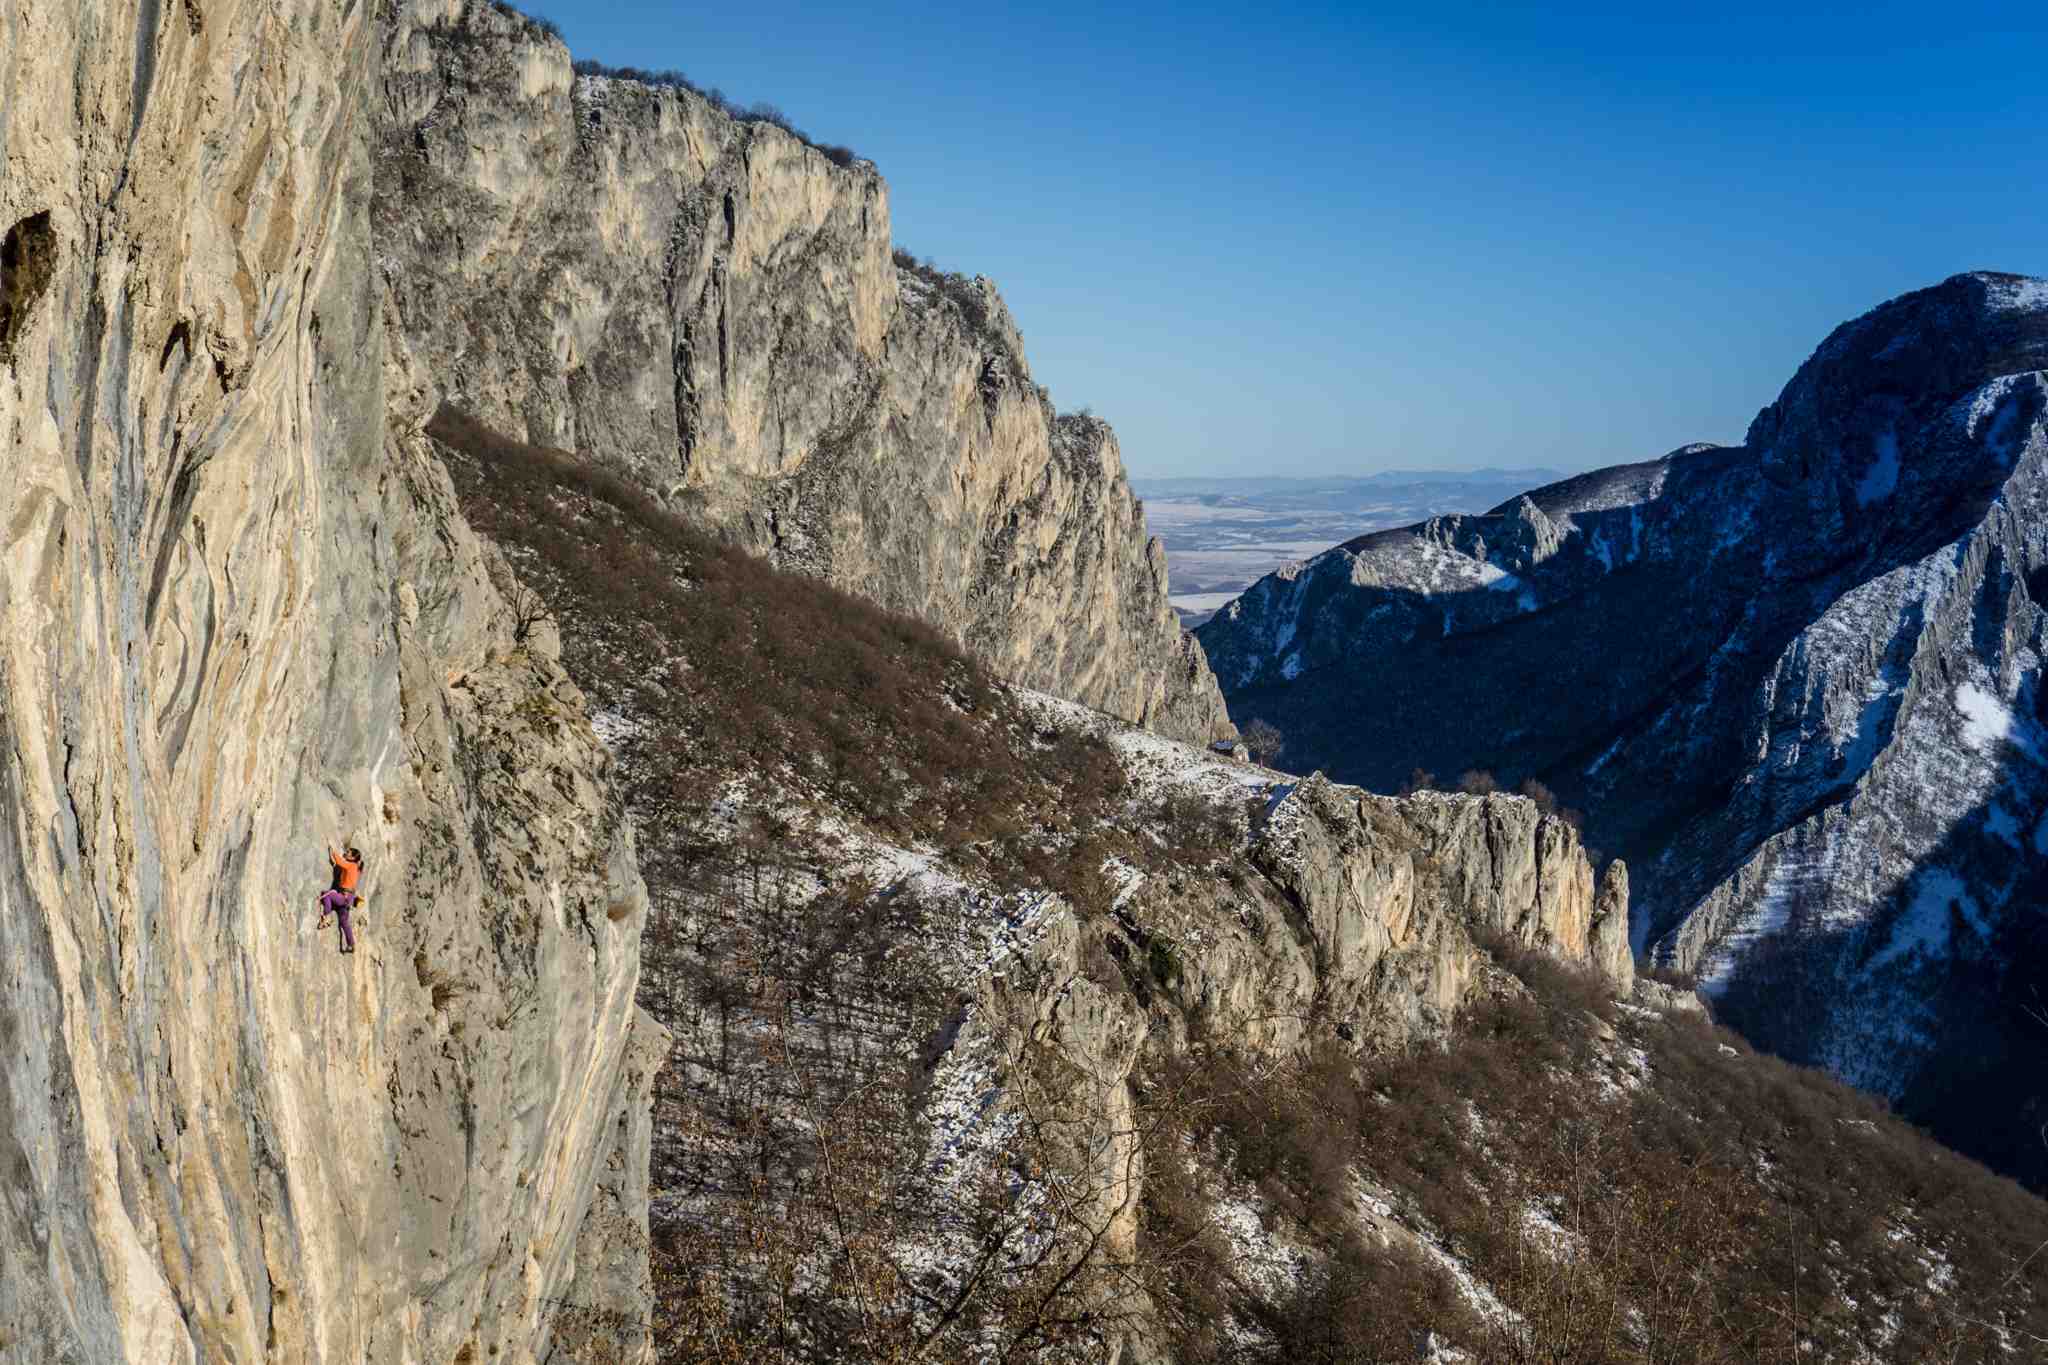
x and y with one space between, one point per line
1796 682
240 616
624 271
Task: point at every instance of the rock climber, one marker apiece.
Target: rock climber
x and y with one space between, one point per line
337 905
341 898
348 868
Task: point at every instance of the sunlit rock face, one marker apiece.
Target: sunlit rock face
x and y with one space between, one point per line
625 271
1796 682
240 620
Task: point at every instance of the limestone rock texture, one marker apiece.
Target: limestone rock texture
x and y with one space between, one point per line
1370 921
624 271
1376 914
1796 682
1365 921
240 618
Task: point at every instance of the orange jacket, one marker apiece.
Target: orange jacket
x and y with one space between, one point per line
350 871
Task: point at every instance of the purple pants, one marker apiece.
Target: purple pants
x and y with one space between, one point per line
339 904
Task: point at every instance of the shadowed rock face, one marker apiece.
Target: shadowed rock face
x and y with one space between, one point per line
240 618
626 272
1796 682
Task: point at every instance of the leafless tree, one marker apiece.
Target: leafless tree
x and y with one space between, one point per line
529 609
1264 741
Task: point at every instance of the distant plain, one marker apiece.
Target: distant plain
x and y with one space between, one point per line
1223 535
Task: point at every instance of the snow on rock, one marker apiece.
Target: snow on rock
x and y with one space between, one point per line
2017 294
1541 1228
1157 764
1264 1260
1925 926
1796 871
614 726
1987 721
1883 475
1986 404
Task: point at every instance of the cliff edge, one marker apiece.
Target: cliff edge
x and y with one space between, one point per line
713 305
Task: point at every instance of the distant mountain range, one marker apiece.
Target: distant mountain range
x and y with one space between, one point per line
1796 683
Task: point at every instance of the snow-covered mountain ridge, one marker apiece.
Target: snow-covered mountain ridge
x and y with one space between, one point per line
1795 682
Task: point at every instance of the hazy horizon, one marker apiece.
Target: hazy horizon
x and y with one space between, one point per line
1346 476
1337 239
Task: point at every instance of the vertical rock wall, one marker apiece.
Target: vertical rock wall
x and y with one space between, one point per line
627 272
239 618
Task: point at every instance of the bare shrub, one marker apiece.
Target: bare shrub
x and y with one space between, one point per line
1264 741
961 292
534 23
1419 780
761 112
1547 802
1669 976
1194 829
529 610
1478 782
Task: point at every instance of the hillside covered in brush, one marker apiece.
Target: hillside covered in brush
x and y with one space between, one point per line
1005 1031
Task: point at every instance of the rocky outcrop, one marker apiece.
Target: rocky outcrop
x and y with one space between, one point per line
1370 925
625 271
1797 681
1374 916
240 619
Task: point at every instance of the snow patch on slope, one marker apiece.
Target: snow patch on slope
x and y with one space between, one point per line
1798 870
1924 927
1987 720
1983 404
1882 477
1268 1263
2017 295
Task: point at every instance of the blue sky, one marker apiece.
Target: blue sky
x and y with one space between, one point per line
1321 239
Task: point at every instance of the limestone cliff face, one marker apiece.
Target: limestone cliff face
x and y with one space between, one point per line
1371 914
240 618
625 271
